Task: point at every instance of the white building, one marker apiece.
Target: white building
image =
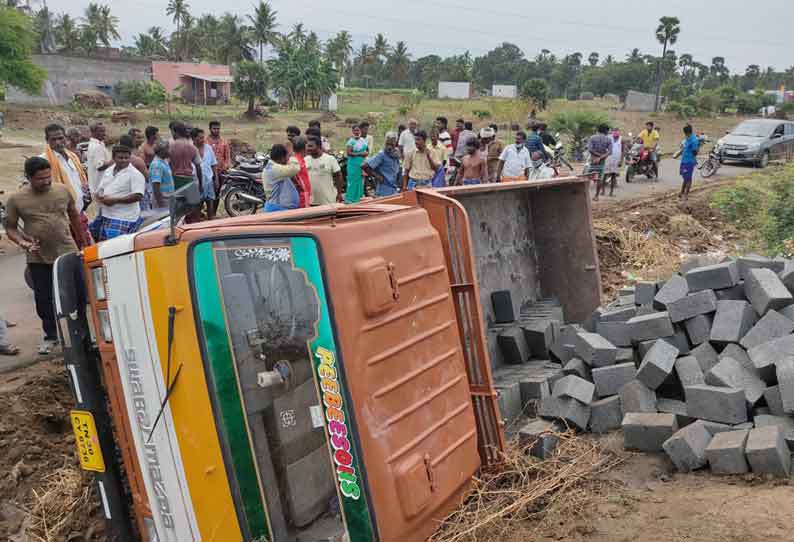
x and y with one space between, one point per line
454 90
504 91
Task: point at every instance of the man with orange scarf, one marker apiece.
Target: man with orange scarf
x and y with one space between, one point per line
67 170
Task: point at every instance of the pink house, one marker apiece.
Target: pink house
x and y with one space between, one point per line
206 84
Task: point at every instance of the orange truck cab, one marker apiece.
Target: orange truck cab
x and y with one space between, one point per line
313 375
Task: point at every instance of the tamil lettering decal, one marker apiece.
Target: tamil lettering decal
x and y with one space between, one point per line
337 427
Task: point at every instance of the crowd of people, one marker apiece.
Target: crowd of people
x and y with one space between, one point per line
136 178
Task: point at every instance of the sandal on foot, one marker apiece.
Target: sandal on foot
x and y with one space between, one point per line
9 350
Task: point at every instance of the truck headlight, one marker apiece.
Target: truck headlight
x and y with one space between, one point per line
98 278
104 325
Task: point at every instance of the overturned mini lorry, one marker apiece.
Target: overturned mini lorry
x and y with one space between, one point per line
313 375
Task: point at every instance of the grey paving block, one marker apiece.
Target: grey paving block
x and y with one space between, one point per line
626 301
788 312
679 340
534 387
765 291
726 452
579 368
754 261
672 290
647 432
595 350
687 448
689 372
732 321
702 302
564 346
713 277
652 326
539 335
609 380
724 405
645 310
785 381
606 415
644 292
786 424
767 451
787 276
637 397
644 346
626 290
570 411
773 401
738 353
706 355
540 437
625 355
698 329
772 326
765 356
508 398
621 314
734 293
715 427
698 260
677 408
574 387
617 333
729 373
657 364
513 346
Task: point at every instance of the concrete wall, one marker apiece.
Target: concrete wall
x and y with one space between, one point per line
640 101
67 75
504 91
454 90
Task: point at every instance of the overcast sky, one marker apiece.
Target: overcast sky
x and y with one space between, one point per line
743 31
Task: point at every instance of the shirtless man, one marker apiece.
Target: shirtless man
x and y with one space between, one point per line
474 168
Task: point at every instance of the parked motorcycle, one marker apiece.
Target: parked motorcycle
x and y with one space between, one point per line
557 154
712 164
639 162
243 189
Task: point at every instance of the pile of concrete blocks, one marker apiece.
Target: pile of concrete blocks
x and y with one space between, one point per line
700 367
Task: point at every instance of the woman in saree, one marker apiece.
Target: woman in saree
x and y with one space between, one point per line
357 151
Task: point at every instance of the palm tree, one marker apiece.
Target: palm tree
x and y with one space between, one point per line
634 56
207 31
151 44
593 59
380 49
99 25
667 34
234 40
263 27
399 62
178 10
339 49
67 33
43 24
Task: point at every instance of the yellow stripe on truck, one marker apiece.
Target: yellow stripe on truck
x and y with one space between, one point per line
167 276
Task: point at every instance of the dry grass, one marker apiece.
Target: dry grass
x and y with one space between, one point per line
64 496
644 253
526 495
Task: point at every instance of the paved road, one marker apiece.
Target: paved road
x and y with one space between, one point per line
17 306
669 180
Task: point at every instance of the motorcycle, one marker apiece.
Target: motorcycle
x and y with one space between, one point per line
713 163
557 154
243 189
639 162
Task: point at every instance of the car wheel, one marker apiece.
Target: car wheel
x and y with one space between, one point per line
764 161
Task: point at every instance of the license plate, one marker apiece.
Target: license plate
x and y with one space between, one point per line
87 440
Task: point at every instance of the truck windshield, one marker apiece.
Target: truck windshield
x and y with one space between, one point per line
260 314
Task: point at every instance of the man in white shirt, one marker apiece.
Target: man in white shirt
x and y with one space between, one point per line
538 170
119 194
407 141
514 162
97 159
325 175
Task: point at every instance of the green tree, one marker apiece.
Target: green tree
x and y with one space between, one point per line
727 96
99 26
251 80
667 34
67 33
339 50
263 27
538 91
593 59
178 10
505 64
152 44
301 72
44 26
578 125
380 48
17 39
234 40
399 62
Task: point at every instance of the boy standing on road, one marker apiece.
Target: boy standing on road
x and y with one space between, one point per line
48 211
600 146
688 160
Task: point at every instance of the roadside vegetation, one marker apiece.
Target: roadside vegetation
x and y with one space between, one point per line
761 205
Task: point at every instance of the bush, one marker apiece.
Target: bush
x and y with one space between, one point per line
482 114
749 104
683 109
537 90
761 204
149 93
578 125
